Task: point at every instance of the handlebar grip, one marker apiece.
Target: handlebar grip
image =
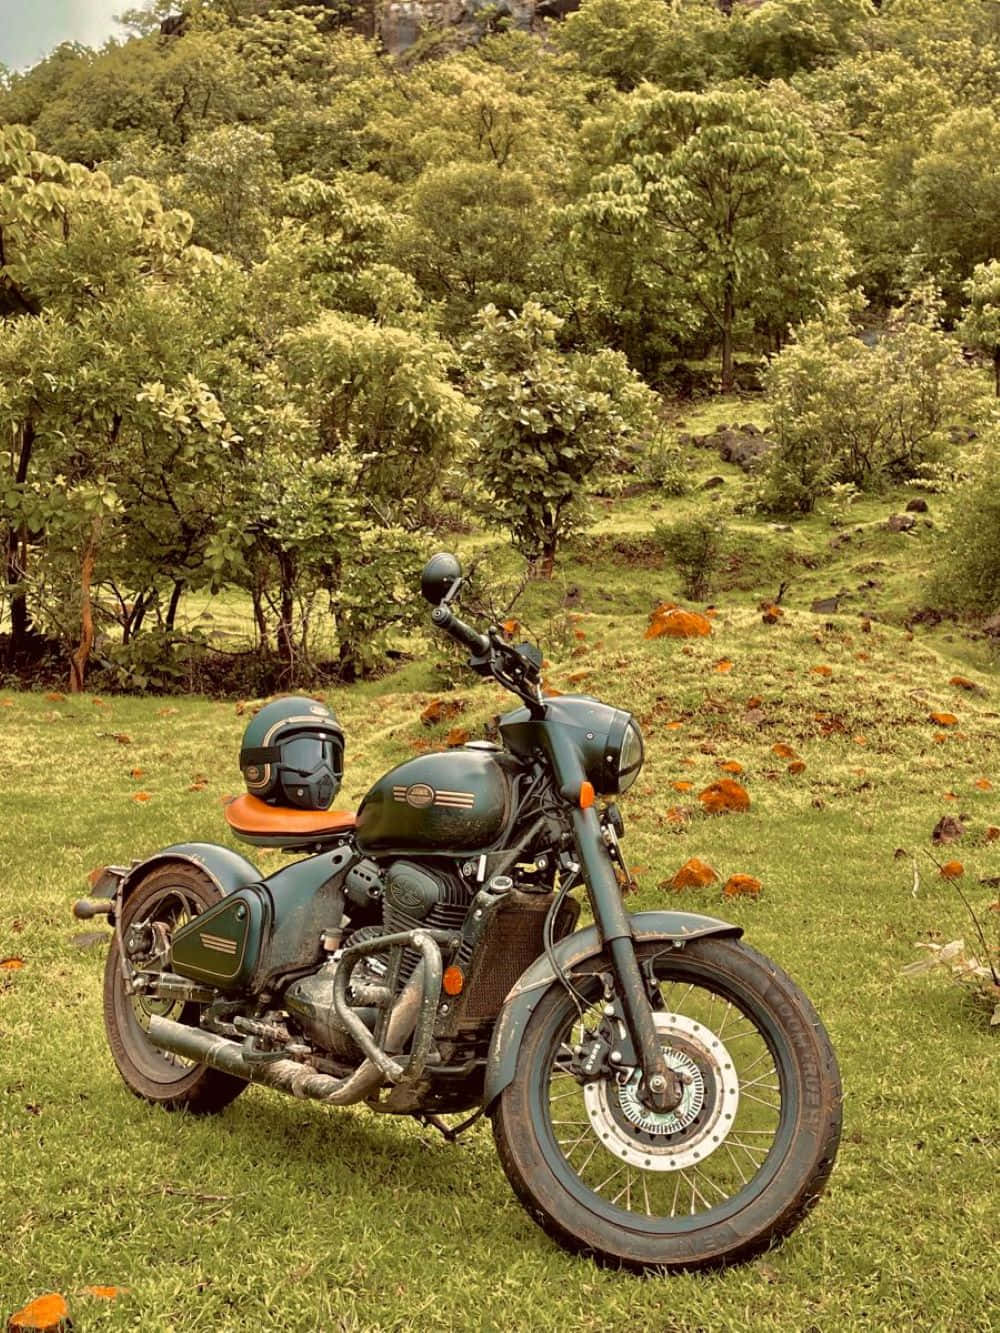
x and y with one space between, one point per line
476 643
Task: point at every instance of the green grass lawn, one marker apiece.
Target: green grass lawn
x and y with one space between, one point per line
281 1214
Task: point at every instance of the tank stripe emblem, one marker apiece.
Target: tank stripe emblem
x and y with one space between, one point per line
217 943
421 796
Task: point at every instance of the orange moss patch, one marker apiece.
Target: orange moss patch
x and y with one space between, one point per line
673 623
457 736
724 797
439 710
944 719
693 874
737 885
45 1312
781 751
952 870
797 767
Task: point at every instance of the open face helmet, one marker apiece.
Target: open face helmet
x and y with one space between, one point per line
293 754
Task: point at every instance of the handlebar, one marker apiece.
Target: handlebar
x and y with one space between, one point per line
443 618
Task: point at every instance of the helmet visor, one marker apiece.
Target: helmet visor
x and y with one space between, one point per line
305 754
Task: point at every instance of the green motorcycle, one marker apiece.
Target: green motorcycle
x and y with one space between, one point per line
662 1096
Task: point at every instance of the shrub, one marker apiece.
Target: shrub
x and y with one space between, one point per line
968 576
694 546
847 413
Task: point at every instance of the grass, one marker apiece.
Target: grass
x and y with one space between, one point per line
280 1214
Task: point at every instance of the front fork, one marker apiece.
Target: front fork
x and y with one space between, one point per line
613 921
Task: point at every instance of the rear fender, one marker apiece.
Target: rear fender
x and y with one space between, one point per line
227 870
520 1004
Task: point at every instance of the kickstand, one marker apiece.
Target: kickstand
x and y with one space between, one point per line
447 1131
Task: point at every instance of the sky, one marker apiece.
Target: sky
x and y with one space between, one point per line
29 29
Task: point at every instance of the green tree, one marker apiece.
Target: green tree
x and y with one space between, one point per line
547 423
712 190
980 327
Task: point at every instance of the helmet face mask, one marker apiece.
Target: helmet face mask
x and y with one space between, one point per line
293 754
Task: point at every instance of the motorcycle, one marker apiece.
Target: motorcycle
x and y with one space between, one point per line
662 1096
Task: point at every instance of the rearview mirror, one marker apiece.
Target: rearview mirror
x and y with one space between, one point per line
440 578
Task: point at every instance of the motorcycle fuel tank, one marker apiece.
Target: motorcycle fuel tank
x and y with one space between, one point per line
454 802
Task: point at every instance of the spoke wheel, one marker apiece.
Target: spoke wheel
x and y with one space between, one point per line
731 1169
167 898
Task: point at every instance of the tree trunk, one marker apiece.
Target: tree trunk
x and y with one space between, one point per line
547 559
996 369
175 601
260 620
78 661
17 556
728 319
286 614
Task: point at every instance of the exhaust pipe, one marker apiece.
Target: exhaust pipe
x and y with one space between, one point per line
418 1000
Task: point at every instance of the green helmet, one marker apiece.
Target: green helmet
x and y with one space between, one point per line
293 754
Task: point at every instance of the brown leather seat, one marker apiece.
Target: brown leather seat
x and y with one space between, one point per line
279 826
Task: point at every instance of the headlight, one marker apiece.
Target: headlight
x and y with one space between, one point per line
632 755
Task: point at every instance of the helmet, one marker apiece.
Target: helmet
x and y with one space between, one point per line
293 754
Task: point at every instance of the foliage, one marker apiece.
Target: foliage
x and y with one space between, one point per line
980 328
547 422
968 574
845 412
694 546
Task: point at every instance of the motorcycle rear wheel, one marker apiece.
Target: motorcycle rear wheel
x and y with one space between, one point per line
739 1163
170 895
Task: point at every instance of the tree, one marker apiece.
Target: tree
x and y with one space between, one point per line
547 422
712 189
954 206
981 326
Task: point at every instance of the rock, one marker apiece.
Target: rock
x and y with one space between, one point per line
746 451
948 829
900 522
825 606
713 483
918 505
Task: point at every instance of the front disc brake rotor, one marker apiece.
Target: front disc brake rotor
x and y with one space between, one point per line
670 1140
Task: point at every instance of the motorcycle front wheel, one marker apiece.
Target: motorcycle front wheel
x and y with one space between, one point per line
735 1167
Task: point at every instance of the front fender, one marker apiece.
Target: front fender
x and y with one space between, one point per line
532 984
227 870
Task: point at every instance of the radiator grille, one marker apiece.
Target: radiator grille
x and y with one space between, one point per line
511 943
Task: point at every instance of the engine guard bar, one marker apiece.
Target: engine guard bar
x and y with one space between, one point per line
428 943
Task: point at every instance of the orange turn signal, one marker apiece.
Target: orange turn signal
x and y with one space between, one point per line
453 980
586 795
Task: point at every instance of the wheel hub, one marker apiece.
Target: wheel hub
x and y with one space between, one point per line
677 1139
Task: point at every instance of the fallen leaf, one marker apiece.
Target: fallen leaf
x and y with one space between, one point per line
11 964
137 773
821 670
737 885
6 703
575 677
44 1312
754 701
944 719
457 736
724 797
772 614
796 767
510 627
123 738
964 683
675 815
682 784
693 874
580 635
168 712
141 797
952 870
105 1293
992 833
550 691
54 697
674 726
98 702
983 784
782 751
860 740
731 766
198 786
723 665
